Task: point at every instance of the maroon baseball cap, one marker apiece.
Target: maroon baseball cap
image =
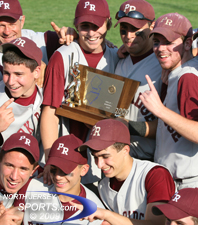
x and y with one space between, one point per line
11 8
184 203
173 26
65 155
105 133
26 46
93 11
24 141
141 9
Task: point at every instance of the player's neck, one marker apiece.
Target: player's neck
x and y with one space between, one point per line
126 169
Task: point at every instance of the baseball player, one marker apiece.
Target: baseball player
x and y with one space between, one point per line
131 186
137 19
195 43
67 166
176 137
90 50
181 209
11 24
18 161
20 98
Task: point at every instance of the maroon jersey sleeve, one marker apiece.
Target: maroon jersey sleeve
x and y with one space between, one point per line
159 185
52 42
54 81
187 96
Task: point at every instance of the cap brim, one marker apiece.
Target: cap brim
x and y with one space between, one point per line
97 20
96 145
65 165
167 33
134 22
170 211
5 46
11 15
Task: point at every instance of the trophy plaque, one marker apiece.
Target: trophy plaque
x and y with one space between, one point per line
93 95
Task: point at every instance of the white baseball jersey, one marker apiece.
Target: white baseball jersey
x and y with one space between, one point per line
26 117
50 203
175 152
142 148
131 199
107 63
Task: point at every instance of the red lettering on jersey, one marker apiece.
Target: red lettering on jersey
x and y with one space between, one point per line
150 117
138 102
176 136
21 131
174 133
30 223
27 125
37 115
135 215
141 216
144 111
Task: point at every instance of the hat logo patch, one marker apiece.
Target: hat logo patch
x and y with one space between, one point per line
20 41
92 7
176 197
27 141
95 131
168 21
6 5
64 149
129 7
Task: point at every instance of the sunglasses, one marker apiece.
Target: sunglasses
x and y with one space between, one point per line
132 14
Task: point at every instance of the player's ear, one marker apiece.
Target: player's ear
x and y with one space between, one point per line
152 25
33 171
188 44
37 72
84 170
126 149
22 20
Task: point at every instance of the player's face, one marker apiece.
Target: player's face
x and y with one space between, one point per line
92 37
10 28
15 171
169 54
184 221
110 161
66 183
135 40
19 79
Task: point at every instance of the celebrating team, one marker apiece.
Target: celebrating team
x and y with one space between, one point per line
135 164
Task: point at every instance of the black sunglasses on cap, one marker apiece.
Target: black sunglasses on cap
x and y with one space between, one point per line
132 14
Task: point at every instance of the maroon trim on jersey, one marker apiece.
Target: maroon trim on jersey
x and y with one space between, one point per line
21 193
52 42
23 101
92 58
136 59
79 129
1 69
187 96
159 185
54 83
163 91
115 184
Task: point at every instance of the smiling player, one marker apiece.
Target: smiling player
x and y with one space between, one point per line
89 50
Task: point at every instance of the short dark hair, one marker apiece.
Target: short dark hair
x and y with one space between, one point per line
119 146
195 220
14 56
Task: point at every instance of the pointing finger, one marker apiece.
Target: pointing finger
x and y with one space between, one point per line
7 103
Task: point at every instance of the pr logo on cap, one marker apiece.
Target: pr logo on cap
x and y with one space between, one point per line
65 149
5 5
176 197
27 140
92 7
129 8
95 131
168 22
20 41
